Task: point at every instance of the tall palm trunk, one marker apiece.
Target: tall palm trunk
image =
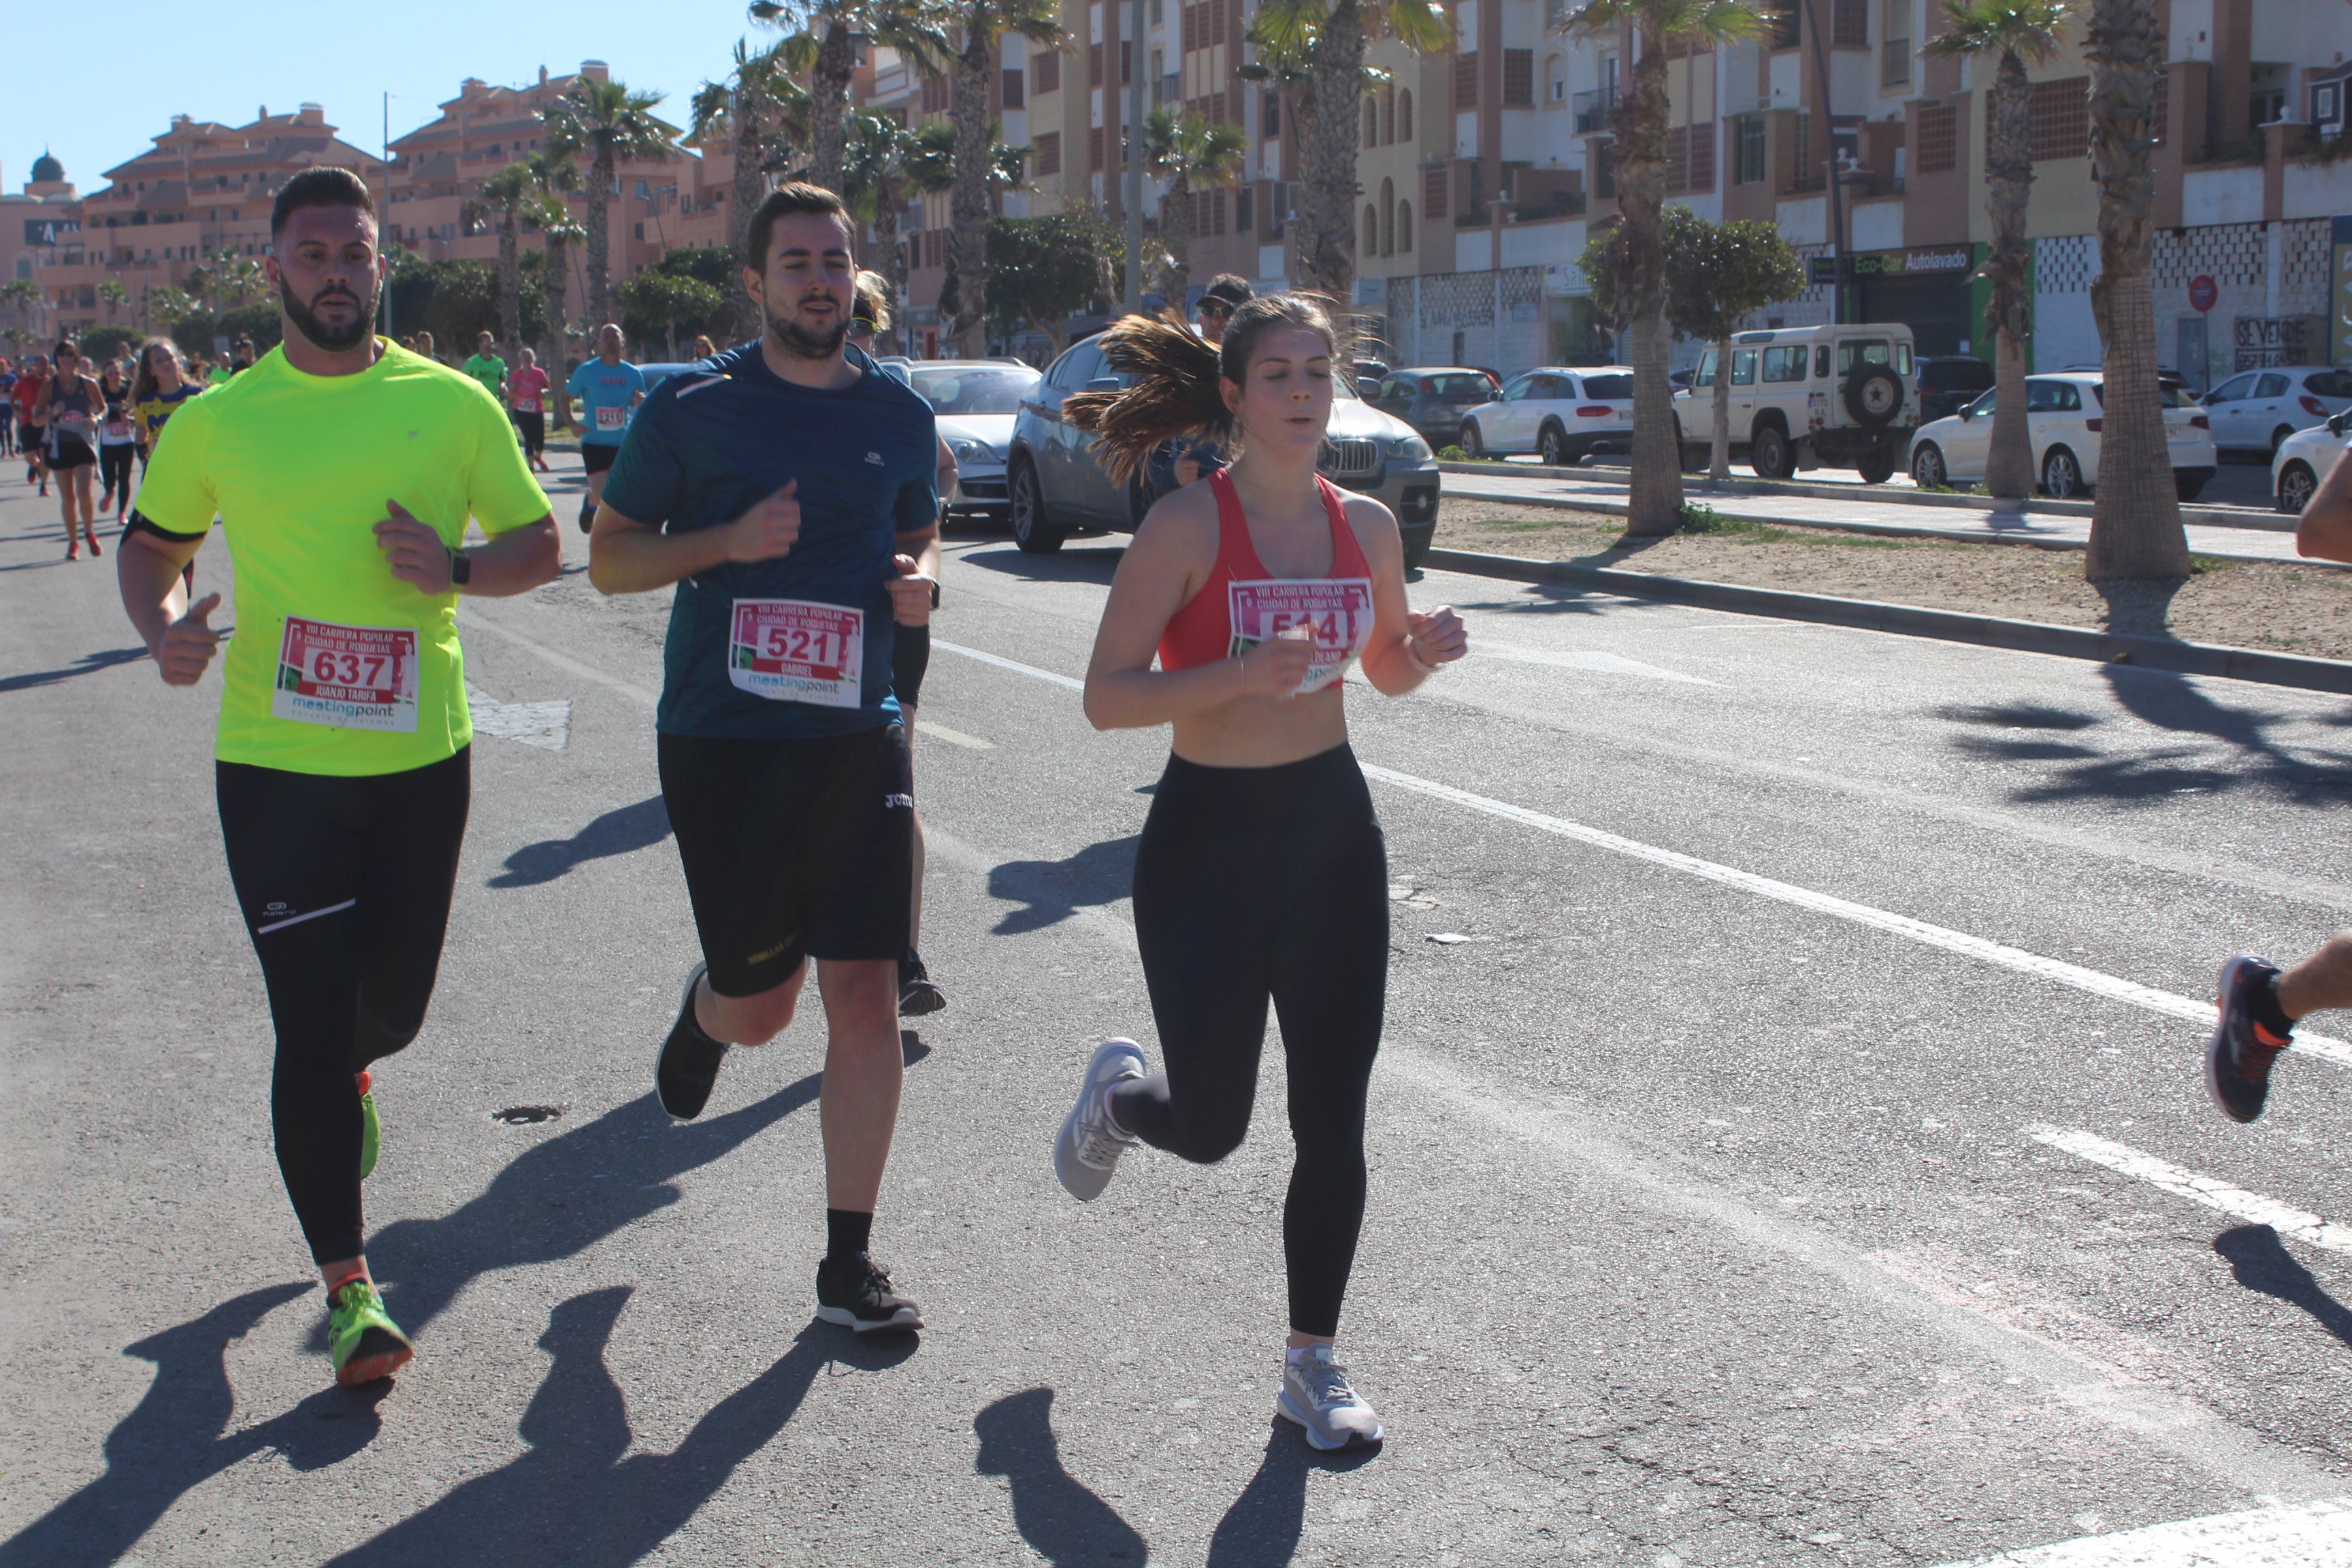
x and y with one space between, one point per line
750 188
1719 461
600 241
2136 513
509 287
559 260
1654 500
889 201
829 107
1327 139
1176 236
968 201
2009 183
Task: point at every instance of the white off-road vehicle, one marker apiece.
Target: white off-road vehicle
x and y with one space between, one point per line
1808 397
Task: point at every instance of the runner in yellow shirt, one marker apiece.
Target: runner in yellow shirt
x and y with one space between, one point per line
344 469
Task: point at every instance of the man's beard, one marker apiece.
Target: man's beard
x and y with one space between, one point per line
801 344
331 340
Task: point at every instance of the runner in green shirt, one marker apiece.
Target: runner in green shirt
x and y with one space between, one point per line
487 367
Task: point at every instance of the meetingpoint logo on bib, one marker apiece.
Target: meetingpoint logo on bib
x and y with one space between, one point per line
347 678
797 650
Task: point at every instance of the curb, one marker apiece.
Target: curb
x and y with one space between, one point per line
2193 516
1909 620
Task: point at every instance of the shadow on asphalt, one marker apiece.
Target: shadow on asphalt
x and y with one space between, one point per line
1094 565
2260 1263
1261 1530
86 664
1051 891
1062 1521
177 1438
622 831
578 1495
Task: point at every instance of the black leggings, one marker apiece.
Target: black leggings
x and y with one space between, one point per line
115 472
345 885
1258 883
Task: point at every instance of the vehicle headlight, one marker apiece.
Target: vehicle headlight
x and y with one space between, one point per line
1412 448
976 455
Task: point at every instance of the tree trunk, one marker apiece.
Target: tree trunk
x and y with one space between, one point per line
600 241
750 188
1718 466
509 288
967 203
889 201
1654 500
2135 529
829 107
2009 183
1327 141
559 257
1176 239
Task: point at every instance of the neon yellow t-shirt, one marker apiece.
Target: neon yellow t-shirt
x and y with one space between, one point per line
337 665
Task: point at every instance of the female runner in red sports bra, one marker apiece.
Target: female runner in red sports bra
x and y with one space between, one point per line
1262 873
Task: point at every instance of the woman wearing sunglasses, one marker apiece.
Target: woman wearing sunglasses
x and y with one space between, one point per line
70 406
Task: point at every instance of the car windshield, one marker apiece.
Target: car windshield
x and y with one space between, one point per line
1461 388
1609 386
975 389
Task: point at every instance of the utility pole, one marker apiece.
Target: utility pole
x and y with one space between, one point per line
1130 141
387 213
1829 179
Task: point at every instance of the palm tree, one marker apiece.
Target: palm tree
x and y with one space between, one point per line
821 38
756 108
605 122
556 225
1186 149
2022 33
986 25
115 295
23 293
1318 47
877 177
2135 510
1654 500
508 195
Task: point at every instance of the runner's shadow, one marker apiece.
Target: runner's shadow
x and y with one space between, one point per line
1261 1529
2260 1263
177 1438
560 1197
624 831
578 1495
86 664
1051 891
1060 1519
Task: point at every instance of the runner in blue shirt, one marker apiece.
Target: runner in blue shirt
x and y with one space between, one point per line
788 488
610 388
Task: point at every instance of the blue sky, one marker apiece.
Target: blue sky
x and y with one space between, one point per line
96 96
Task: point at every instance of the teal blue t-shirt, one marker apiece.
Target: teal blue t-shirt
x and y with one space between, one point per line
607 390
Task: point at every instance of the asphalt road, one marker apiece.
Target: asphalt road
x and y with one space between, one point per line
1800 1159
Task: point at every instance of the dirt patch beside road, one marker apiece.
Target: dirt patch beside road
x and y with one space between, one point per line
2291 609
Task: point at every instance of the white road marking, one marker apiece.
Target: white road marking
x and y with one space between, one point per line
469 617
547 725
2188 1009
1586 659
2313 1535
2294 1224
952 737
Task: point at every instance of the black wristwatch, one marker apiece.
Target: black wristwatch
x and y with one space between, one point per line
935 593
461 568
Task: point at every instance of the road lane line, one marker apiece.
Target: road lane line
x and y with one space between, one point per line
2109 987
1588 660
2314 1535
952 737
469 617
2254 1208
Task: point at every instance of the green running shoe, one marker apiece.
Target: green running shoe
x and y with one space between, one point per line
371 1126
367 1344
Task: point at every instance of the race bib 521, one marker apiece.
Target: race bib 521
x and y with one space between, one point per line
347 678
795 650
1338 610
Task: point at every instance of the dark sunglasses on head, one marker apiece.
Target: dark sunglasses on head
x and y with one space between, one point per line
1215 308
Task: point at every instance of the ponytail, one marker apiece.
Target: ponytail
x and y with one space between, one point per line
1175 393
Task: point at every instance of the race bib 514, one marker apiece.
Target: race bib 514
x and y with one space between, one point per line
1338 610
795 650
347 678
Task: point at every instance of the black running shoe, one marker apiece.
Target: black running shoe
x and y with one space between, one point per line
587 517
2239 1057
917 993
856 1294
688 1063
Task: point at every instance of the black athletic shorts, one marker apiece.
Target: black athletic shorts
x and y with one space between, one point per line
793 850
910 656
597 455
67 450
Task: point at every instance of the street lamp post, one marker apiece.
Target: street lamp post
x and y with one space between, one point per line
1129 139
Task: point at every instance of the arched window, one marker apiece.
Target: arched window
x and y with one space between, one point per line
1388 218
1371 233
1388 115
1404 115
1404 227
1372 123
1556 79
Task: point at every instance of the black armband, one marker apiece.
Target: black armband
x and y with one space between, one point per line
142 524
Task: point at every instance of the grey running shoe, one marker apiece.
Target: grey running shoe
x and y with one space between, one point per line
1090 1145
2241 1053
1316 1395
688 1065
855 1293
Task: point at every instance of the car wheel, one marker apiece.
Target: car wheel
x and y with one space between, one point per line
1927 471
1472 446
1552 448
1876 465
2062 475
1770 455
1034 529
1416 549
2189 486
2296 485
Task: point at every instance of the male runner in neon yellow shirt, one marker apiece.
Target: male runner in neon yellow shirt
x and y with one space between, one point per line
344 469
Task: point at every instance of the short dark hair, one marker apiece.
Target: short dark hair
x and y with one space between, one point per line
789 201
325 186
1230 287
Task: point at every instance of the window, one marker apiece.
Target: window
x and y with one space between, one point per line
1388 117
1158 11
1850 25
1208 213
1372 123
1094 64
1895 52
1244 222
1049 152
1372 232
1940 138
1048 67
2271 386
1269 114
1612 388
1388 218
1404 225
1869 351
1465 82
1014 81
1785 361
2231 390
1434 192
2048 396
1094 149
1126 61
2328 384
1519 79
1743 367
1704 374
1517 389
1404 115
1821 361
939 94
2060 112
1750 132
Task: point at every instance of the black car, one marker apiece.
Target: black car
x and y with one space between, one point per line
1948 381
1432 399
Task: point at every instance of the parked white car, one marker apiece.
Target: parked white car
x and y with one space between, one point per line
1805 397
2254 411
2063 419
2302 461
975 401
1560 413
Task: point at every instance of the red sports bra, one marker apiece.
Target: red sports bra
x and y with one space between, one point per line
1242 603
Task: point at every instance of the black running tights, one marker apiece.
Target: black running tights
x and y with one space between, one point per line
1258 884
345 886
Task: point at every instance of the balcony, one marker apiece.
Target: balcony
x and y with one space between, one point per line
1595 110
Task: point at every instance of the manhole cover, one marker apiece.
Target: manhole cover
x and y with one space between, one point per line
524 1115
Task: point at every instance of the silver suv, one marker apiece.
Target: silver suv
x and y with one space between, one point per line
1806 397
